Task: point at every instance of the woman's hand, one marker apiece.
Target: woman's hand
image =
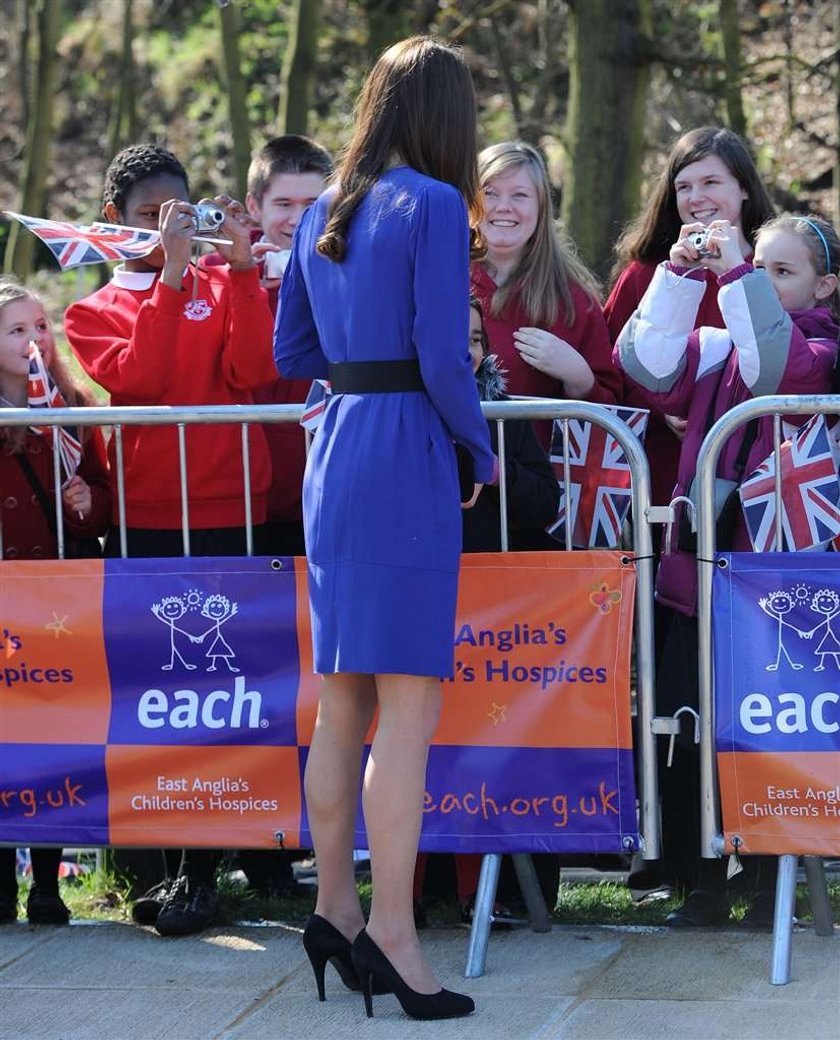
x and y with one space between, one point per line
177 227
725 239
721 253
76 497
557 358
476 492
237 227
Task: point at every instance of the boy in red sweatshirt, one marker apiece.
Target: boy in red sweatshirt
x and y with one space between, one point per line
285 177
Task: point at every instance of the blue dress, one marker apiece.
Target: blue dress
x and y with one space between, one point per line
381 503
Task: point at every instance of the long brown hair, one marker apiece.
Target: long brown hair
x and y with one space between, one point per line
76 396
549 264
418 105
650 236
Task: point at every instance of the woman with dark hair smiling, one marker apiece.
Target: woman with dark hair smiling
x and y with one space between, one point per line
375 298
709 175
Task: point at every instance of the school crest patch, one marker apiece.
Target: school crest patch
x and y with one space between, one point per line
197 310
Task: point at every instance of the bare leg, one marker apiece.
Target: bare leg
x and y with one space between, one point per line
395 779
331 783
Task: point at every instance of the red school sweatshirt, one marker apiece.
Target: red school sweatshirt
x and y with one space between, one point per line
148 344
286 441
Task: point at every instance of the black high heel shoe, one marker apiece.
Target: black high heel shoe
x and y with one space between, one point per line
324 942
373 966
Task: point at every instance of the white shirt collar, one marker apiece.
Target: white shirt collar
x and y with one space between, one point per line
136 281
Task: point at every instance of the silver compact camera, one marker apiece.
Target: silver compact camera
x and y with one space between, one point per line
701 242
208 217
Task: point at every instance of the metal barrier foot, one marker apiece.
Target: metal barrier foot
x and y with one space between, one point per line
526 875
818 895
485 898
783 920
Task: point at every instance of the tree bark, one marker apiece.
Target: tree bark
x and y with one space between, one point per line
836 220
298 76
733 62
236 98
123 123
388 21
20 249
609 75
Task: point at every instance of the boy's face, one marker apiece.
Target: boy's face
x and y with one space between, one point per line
141 209
284 201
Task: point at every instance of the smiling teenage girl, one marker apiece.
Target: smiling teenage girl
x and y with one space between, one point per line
541 308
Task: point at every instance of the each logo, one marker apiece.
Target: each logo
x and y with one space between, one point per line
214 610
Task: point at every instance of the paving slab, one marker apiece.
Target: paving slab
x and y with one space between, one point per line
696 1020
122 982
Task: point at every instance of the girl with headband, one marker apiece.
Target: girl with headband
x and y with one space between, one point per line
780 316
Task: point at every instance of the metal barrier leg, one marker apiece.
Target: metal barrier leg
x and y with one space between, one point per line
485 897
526 875
818 895
783 920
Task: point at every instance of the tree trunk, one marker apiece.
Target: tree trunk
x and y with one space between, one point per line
20 250
236 98
298 76
609 74
836 220
388 21
24 21
123 122
731 33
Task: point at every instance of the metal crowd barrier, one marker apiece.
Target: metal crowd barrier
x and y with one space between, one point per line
247 415
712 842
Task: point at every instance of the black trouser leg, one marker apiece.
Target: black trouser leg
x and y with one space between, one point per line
45 863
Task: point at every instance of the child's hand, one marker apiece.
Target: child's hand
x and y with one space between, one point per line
177 226
237 227
76 497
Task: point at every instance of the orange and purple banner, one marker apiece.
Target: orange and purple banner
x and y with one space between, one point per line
777 701
171 703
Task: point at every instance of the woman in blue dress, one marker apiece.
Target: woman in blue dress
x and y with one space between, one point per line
376 298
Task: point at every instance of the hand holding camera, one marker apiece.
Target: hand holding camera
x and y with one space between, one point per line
715 247
236 226
176 222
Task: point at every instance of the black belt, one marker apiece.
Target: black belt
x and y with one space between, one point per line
375 377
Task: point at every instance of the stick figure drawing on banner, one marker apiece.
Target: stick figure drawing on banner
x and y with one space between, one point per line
827 602
169 610
776 605
219 609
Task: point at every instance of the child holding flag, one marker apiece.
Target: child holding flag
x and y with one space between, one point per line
32 374
166 332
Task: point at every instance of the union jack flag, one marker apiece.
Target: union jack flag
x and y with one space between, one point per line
314 405
43 393
74 245
599 480
810 493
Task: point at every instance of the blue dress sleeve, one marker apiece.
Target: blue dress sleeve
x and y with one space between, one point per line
297 347
441 321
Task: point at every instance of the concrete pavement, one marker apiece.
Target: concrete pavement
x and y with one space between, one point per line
93 981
